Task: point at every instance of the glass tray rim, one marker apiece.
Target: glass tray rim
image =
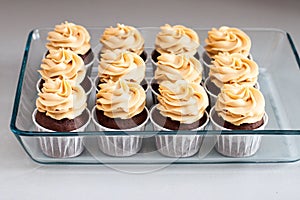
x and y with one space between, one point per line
16 104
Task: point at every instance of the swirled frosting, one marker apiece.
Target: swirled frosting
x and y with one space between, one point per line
233 68
122 37
177 39
59 100
69 36
182 101
240 104
118 64
121 99
226 39
63 62
171 67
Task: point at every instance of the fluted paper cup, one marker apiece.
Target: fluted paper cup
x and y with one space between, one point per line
177 145
64 146
119 145
237 145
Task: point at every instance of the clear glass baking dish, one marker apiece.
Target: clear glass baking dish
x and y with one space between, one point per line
279 81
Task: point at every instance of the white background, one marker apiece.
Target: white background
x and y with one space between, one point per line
21 178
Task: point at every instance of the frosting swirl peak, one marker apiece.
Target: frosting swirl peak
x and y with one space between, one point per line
69 36
59 100
182 101
121 99
240 104
122 37
177 39
233 68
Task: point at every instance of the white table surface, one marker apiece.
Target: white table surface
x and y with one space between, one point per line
21 178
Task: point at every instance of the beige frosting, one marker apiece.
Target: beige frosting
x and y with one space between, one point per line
233 68
226 39
69 36
118 64
121 99
122 37
171 67
240 104
177 40
64 63
59 100
182 101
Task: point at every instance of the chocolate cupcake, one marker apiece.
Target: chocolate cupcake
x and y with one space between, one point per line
117 64
120 106
124 38
177 40
181 107
238 107
222 40
228 68
73 37
171 67
61 108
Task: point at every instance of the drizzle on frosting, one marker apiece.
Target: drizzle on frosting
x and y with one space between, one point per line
233 68
121 99
177 40
182 101
240 104
64 63
171 67
122 37
69 36
226 39
118 64
59 100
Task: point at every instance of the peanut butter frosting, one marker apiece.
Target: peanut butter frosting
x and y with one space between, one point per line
240 104
63 62
227 39
121 99
233 68
182 101
122 37
177 39
69 36
118 64
59 100
171 67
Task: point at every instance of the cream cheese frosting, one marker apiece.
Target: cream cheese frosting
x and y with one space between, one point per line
233 68
240 104
59 100
227 39
118 64
69 36
171 67
182 101
177 39
122 37
121 99
63 62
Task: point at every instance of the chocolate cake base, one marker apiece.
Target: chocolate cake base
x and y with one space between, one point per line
155 54
64 125
118 123
245 126
212 87
168 123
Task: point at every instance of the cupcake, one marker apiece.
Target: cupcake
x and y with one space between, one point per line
61 108
171 67
73 37
117 64
120 106
232 68
181 107
238 107
125 38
